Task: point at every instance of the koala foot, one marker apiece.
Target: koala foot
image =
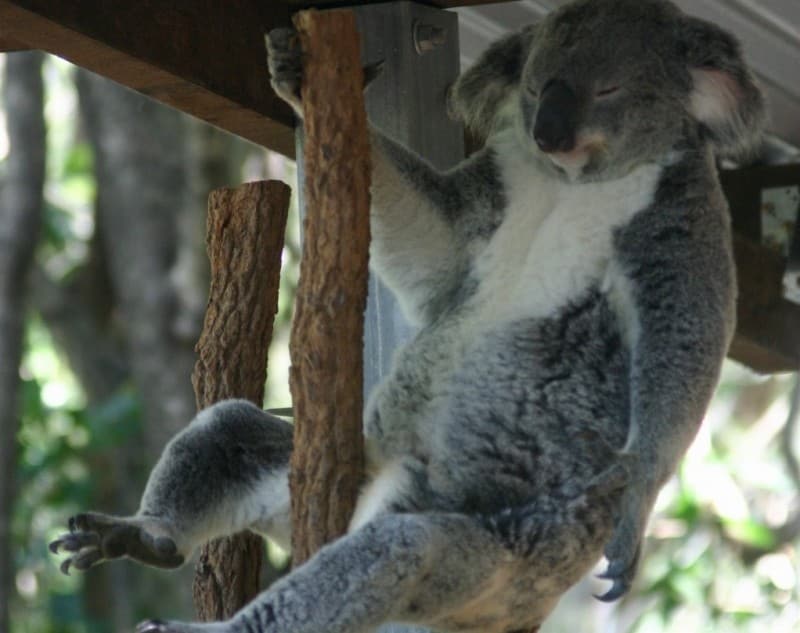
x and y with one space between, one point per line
160 626
624 548
94 538
285 61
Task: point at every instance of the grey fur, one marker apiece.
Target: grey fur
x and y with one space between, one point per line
520 434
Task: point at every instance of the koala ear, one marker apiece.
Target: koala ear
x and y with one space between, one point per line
724 98
478 95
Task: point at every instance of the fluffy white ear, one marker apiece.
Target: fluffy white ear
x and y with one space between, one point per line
715 96
724 98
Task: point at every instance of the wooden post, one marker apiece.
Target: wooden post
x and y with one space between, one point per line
245 239
327 330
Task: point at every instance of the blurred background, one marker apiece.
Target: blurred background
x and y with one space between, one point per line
103 278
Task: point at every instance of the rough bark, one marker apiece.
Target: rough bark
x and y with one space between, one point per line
327 332
245 238
20 218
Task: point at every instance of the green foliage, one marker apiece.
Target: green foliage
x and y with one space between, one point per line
714 560
58 436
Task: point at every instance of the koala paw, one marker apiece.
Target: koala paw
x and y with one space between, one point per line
152 626
94 538
285 61
160 626
624 548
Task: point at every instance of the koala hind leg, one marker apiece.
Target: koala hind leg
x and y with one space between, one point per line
227 471
447 571
406 568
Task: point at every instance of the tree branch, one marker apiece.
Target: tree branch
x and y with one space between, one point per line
245 238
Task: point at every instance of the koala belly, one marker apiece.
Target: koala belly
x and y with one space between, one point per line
537 407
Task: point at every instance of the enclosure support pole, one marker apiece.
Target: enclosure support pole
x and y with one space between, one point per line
245 240
407 101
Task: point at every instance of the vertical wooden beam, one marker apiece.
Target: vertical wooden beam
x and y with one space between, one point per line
327 330
204 57
408 102
245 240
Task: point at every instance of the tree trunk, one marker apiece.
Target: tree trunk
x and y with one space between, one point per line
20 218
141 164
327 332
142 170
245 239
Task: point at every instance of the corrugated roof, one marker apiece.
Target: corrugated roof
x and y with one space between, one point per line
768 29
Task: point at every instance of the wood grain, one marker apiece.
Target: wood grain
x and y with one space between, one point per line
327 332
245 239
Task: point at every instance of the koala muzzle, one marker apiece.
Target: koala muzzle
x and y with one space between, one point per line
557 118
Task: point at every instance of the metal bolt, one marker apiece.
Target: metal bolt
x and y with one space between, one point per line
427 37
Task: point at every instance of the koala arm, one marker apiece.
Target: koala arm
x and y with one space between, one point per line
678 269
422 218
423 221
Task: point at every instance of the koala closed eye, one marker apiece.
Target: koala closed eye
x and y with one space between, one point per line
607 92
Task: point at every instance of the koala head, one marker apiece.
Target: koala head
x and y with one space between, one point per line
601 86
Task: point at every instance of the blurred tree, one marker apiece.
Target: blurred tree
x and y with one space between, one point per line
123 303
22 182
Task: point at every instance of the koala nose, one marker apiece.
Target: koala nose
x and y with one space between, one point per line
556 118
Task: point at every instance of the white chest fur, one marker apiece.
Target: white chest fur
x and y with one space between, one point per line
555 240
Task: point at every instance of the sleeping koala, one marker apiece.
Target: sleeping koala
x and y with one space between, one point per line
573 289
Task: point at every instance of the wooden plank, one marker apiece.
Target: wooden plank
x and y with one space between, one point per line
9 45
442 4
205 57
743 187
768 326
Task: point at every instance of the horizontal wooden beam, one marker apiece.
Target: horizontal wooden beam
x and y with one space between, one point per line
442 4
9 45
204 57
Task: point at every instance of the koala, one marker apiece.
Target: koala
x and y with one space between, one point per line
573 290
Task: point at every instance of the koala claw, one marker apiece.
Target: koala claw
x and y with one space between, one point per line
160 626
621 576
618 589
152 626
624 550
